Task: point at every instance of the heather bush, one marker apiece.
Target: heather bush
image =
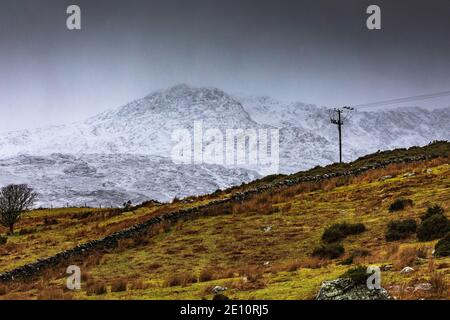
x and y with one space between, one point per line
434 227
400 229
400 204
431 211
339 231
329 251
442 248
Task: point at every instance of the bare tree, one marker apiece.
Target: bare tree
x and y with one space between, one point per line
15 199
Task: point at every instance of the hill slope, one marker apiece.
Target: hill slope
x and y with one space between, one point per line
260 247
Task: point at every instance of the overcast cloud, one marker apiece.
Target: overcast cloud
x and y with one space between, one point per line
314 51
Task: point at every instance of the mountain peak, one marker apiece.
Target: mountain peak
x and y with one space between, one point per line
184 90
180 88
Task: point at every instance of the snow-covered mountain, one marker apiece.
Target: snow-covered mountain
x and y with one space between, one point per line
308 138
111 179
141 127
126 152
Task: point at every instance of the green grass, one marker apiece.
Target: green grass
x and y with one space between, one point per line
236 244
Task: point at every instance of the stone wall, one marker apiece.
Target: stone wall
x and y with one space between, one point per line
35 268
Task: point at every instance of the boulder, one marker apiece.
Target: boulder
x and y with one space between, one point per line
407 270
347 289
218 289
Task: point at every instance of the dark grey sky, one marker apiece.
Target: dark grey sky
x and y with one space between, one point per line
314 51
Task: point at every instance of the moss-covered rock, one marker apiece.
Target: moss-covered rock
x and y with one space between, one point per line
348 289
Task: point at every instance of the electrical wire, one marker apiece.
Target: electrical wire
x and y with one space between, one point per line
402 100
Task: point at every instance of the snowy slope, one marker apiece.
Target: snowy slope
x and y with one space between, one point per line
308 137
109 180
123 152
142 127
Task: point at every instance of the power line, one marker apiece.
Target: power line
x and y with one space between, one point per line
402 100
338 116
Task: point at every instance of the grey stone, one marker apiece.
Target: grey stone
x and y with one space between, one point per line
218 289
423 287
347 289
407 270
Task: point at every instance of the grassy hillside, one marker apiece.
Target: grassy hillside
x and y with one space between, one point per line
260 248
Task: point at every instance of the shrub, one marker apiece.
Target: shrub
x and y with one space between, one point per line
434 227
347 261
360 253
3 290
400 204
431 211
329 251
357 274
205 275
293 265
339 231
405 257
119 286
400 229
3 239
180 280
442 248
354 254
53 294
422 252
23 232
95 288
49 221
438 283
138 285
252 273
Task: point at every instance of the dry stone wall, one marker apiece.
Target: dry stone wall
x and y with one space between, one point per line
35 268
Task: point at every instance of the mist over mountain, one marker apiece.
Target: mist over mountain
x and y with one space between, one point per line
125 153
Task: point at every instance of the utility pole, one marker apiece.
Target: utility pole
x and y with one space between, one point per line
337 117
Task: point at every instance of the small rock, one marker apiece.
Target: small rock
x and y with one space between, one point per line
386 178
407 270
218 289
423 287
386 267
267 229
266 263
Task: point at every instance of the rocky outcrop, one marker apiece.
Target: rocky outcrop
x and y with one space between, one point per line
348 289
